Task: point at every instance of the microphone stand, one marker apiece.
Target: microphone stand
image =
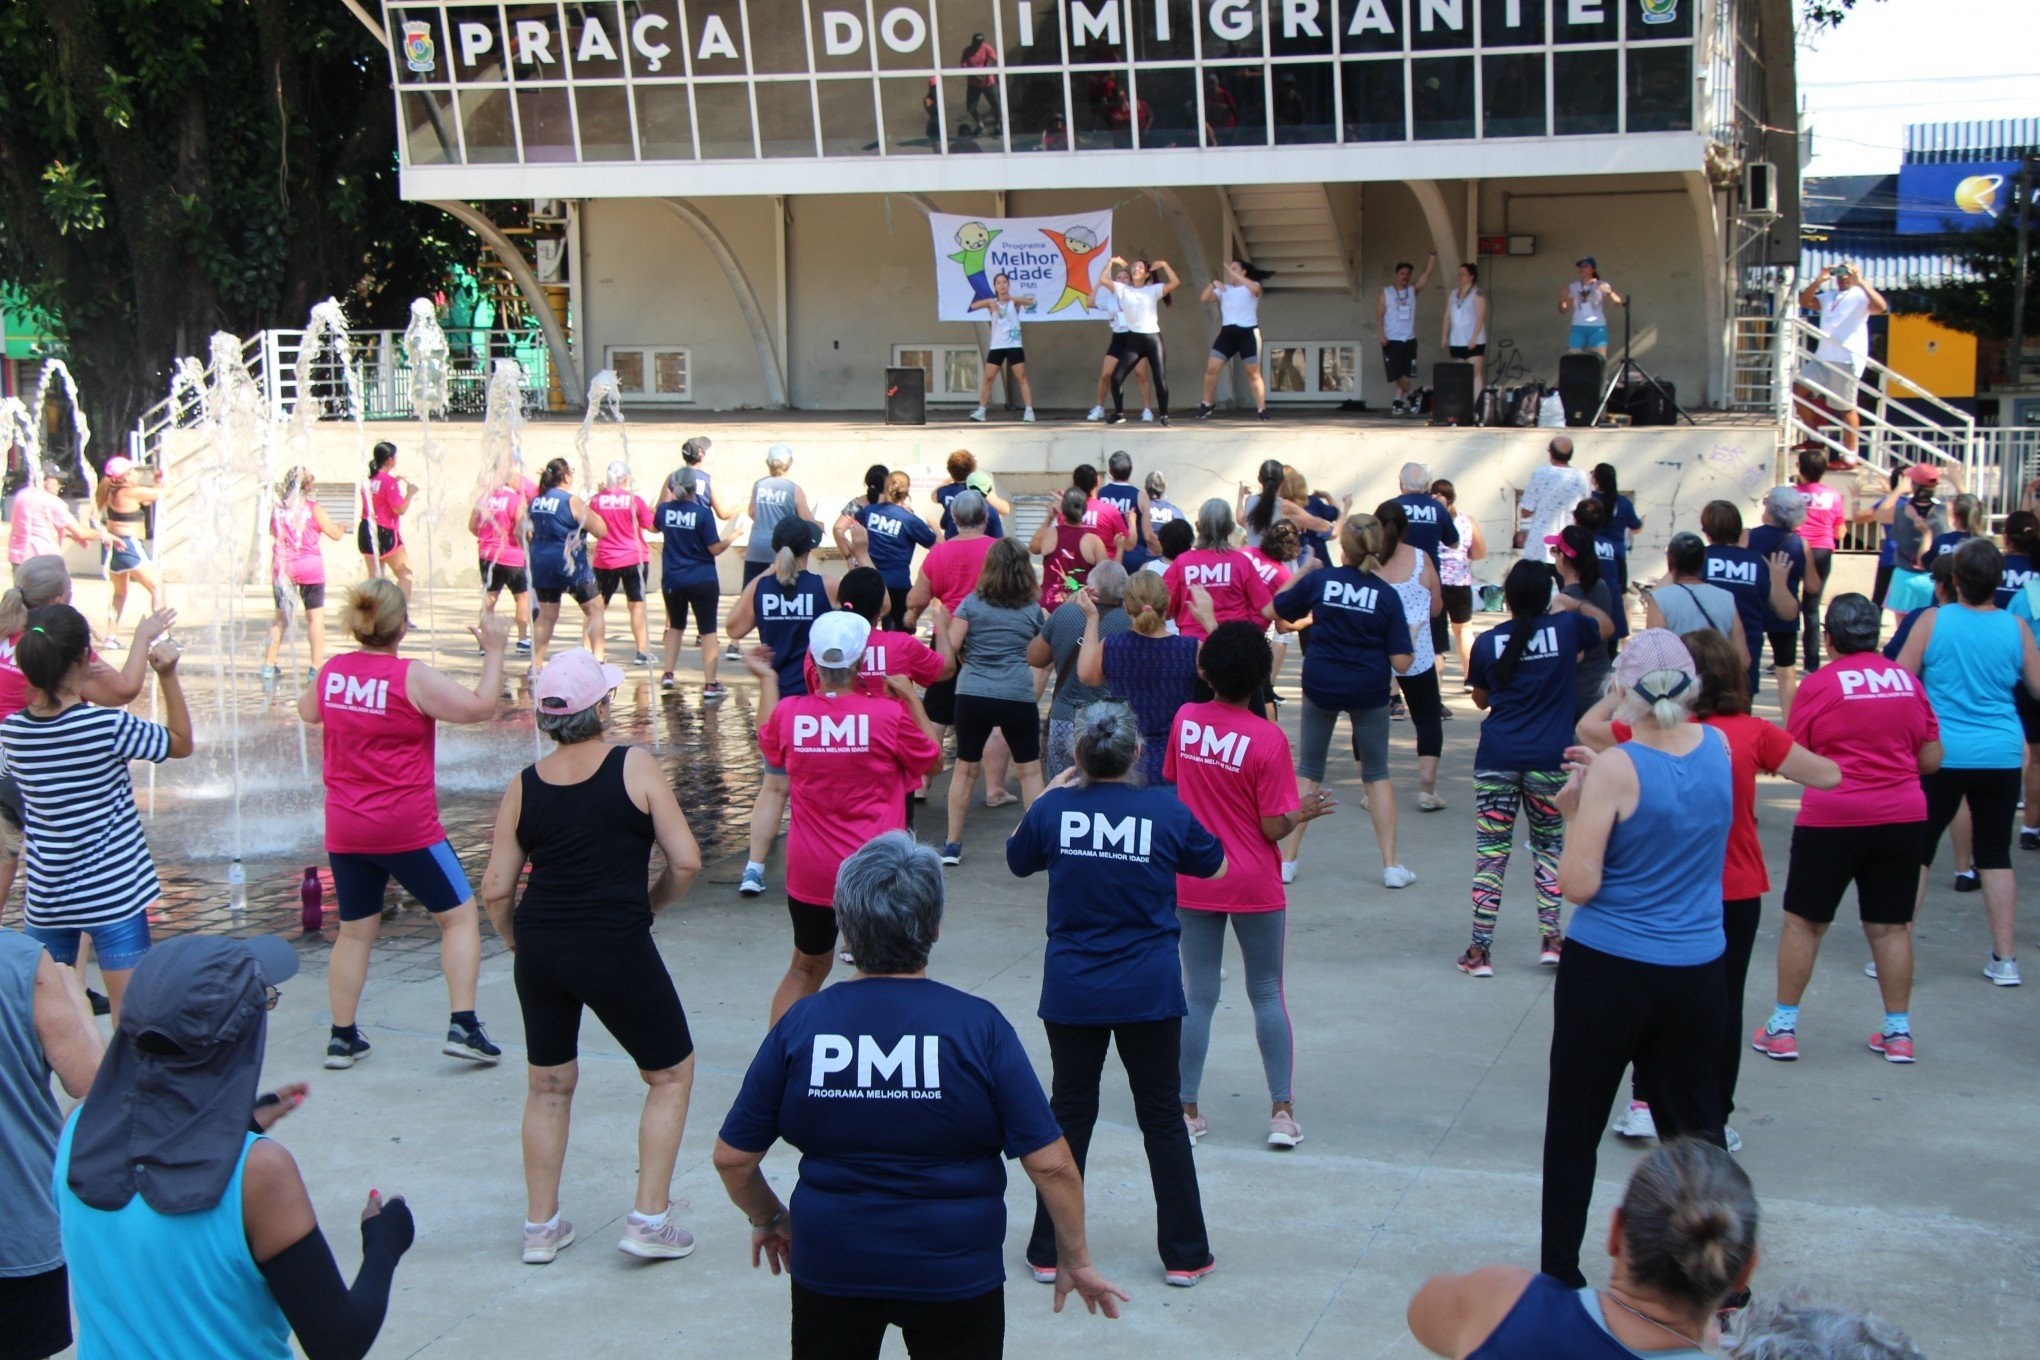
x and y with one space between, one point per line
1620 377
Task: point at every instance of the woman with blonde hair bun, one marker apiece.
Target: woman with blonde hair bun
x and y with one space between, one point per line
379 713
1153 669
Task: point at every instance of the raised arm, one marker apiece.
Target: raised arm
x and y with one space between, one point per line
110 688
437 696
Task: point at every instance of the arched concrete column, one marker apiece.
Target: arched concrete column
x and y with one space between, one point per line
740 287
1438 218
1713 274
1197 269
571 385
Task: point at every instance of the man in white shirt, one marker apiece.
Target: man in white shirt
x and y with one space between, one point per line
1846 302
1547 503
1395 319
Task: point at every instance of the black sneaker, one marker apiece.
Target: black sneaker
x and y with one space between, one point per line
1261 414
100 1005
2029 838
1203 410
470 1042
1967 881
342 1053
1161 420
1116 418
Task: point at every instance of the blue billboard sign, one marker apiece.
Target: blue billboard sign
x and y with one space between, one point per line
1934 200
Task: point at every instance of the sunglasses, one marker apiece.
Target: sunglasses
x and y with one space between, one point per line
270 996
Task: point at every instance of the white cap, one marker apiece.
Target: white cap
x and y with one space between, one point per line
837 639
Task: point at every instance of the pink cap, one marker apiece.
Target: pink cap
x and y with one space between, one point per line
117 466
1652 650
1923 474
574 680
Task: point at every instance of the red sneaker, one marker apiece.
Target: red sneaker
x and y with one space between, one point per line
1896 1048
1475 963
1782 1046
1187 1279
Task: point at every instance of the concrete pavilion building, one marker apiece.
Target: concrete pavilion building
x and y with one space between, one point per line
740 186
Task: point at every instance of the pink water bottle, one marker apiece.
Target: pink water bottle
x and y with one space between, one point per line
312 917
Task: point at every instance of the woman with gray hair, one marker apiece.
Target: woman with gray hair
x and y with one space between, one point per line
1227 574
585 819
1791 1328
773 497
691 541
1784 513
1640 979
1068 548
1095 608
902 1095
1683 1242
1112 849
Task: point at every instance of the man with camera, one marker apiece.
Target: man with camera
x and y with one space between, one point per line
1846 302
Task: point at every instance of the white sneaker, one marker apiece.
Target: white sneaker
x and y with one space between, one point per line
1148 416
1396 876
978 415
1289 871
2004 972
1635 1122
1870 969
1096 413
1731 1138
1027 416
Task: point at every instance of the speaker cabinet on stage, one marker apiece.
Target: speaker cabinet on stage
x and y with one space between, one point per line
906 396
1649 406
1579 386
1452 393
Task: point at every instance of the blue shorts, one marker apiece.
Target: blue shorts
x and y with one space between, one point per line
432 875
1588 337
128 556
119 944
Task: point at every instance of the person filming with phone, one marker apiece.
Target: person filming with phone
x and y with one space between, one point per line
1846 302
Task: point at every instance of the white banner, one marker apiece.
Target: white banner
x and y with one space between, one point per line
1054 260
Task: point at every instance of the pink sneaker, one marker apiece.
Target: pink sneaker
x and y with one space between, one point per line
547 1240
1283 1132
1896 1048
1187 1279
1782 1046
1197 1127
1548 952
1041 1274
1475 963
661 1241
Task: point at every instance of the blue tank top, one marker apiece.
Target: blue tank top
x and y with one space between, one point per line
553 524
1552 1320
1660 897
784 620
772 499
1973 661
175 1285
1125 498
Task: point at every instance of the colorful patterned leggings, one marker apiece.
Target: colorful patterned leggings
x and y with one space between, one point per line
1497 795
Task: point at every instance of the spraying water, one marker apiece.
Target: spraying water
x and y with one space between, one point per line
501 488
18 429
605 400
326 328
425 350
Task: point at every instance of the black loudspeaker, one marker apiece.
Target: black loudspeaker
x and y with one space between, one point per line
1452 384
1649 406
1579 386
906 396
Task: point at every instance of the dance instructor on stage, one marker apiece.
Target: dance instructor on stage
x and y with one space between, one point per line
1395 321
1586 301
1238 297
1140 300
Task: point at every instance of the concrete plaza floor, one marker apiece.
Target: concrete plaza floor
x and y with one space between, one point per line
1907 1190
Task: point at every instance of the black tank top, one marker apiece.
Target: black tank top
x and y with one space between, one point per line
590 848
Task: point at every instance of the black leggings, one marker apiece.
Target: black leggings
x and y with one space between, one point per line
833 1327
1809 609
1739 921
1993 798
622 979
1608 1012
1151 1053
1136 348
1427 710
896 616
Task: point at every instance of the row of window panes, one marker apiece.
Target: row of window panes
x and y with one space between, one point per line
778 47
1430 98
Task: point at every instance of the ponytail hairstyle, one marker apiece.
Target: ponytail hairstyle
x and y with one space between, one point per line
786 568
1156 485
375 612
37 581
1267 505
1724 684
1585 563
874 483
1105 739
1527 592
694 450
1591 515
1689 1223
381 457
616 476
1146 603
296 485
1366 543
54 639
1282 543
553 473
898 487
1075 500
2021 531
680 485
1963 512
1604 481
1395 522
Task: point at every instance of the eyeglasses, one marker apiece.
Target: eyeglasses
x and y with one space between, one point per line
270 996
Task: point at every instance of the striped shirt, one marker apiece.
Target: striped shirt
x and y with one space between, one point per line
87 861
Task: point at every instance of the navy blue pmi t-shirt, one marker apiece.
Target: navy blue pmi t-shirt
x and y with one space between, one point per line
1529 722
892 531
1112 852
1357 624
902 1095
1430 524
1125 497
689 531
1747 577
949 491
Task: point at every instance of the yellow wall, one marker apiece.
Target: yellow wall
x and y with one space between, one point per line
1938 361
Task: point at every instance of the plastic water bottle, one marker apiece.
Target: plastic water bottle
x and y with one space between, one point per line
237 889
312 894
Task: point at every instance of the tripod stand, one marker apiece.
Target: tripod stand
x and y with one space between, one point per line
1620 377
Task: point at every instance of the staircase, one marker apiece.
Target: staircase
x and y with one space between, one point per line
1290 230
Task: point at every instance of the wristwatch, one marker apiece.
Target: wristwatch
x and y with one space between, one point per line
769 1223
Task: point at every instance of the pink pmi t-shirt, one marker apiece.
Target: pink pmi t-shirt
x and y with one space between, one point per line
294 534
953 568
1105 517
886 653
378 749
1237 590
496 533
14 687
1824 514
36 524
386 500
1231 769
1869 716
625 517
1275 575
849 760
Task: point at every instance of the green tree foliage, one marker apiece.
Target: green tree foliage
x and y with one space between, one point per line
1982 303
169 168
1819 14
